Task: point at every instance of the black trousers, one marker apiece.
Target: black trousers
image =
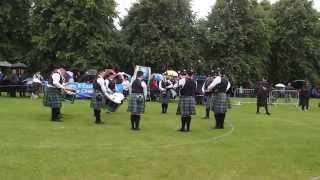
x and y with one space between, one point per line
305 103
97 114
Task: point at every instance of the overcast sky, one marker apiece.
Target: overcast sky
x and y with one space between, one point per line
200 7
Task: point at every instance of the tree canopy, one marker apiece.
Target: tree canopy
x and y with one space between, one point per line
246 38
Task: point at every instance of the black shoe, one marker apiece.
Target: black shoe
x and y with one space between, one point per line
57 120
99 122
268 114
181 130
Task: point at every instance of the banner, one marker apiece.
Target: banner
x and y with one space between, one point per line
84 90
146 73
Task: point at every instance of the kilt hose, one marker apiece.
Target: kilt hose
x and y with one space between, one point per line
219 103
136 103
165 97
53 98
187 106
98 100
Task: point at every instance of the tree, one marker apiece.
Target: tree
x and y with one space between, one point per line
14 29
239 40
295 49
160 34
74 33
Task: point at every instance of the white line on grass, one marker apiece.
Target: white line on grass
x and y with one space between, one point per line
315 178
114 146
200 141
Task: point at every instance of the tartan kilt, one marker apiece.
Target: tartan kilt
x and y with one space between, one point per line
220 103
262 100
187 105
134 106
207 101
98 100
53 98
164 98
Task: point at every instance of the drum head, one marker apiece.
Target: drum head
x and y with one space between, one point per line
116 97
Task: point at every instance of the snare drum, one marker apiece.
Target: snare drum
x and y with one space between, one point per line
113 101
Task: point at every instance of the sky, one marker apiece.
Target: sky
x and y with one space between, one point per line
200 7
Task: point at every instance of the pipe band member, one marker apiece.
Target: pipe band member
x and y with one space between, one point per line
53 96
165 87
136 104
207 94
98 99
263 89
187 101
219 101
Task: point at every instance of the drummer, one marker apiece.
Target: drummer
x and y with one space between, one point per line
53 96
136 105
98 100
165 86
110 82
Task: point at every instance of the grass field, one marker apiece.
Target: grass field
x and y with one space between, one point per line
283 146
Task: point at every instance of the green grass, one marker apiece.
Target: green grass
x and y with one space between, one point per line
284 146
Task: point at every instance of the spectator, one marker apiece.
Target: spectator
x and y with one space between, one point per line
126 86
70 76
154 89
36 85
22 88
13 80
2 76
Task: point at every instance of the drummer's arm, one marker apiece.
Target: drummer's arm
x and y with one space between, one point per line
145 89
107 86
103 86
203 88
160 86
229 86
170 86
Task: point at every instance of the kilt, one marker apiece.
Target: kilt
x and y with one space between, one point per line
98 100
187 105
207 101
262 100
53 98
164 97
219 103
136 103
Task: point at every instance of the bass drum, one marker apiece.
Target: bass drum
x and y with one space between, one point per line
113 101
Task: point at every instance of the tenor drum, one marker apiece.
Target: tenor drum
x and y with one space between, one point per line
113 101
69 95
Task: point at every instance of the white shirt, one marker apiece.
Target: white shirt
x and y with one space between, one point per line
167 87
107 82
37 78
56 81
180 83
102 84
217 81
